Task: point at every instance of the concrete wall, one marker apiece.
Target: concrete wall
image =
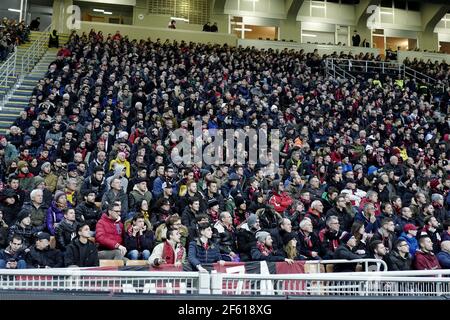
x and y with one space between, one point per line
402 55
136 32
322 49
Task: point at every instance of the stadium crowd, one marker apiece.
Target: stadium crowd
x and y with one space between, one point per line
12 34
87 174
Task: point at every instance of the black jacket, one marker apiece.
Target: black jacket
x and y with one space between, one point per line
345 219
305 246
396 263
225 239
89 213
42 258
65 233
245 241
344 252
81 255
140 242
26 233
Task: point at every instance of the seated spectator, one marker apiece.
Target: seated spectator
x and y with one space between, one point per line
34 24
171 251
172 222
377 251
3 231
368 218
386 234
409 235
430 229
42 256
81 252
290 247
329 236
140 192
66 230
53 41
226 237
87 211
37 209
138 239
345 252
246 237
444 255
280 199
109 234
55 213
263 250
399 259
425 258
445 235
284 226
24 229
308 242
203 250
340 211
13 257
116 193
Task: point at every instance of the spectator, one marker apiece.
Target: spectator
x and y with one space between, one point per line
87 211
138 240
3 231
81 252
66 230
308 242
399 259
34 24
226 237
263 250
13 257
41 255
377 251
431 230
37 209
329 237
214 27
172 24
444 255
203 250
24 229
386 234
246 237
344 251
114 194
170 251
53 41
315 214
290 247
425 258
409 235
207 27
55 213
109 234
356 39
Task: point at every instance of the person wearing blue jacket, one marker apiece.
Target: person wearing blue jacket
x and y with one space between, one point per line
368 218
409 235
203 250
444 256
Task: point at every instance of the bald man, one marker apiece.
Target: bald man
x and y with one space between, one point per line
444 255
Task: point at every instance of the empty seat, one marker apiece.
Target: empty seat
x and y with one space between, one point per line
137 262
111 263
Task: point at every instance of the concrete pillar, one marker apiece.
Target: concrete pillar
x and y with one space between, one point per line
290 30
431 14
61 15
428 40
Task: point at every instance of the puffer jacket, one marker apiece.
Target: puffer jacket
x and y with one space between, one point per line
280 202
54 216
396 263
108 233
65 233
199 255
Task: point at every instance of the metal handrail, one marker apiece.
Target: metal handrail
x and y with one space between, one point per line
364 261
35 52
8 69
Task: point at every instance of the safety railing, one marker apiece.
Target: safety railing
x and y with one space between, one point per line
369 265
8 76
140 282
392 68
35 52
331 284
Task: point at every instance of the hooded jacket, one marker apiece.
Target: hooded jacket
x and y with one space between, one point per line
124 164
412 242
54 215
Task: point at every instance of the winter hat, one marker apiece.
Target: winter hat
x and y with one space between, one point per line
371 170
212 202
288 237
43 236
46 164
261 236
37 181
22 215
58 194
434 183
436 197
346 236
238 201
21 164
71 167
251 220
408 227
357 167
233 177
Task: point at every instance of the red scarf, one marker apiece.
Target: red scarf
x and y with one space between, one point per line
264 250
168 253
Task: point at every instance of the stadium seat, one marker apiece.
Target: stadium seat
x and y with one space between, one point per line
137 262
329 268
111 263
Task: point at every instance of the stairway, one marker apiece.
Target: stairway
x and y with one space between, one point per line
21 95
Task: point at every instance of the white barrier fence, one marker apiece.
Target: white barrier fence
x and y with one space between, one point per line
396 284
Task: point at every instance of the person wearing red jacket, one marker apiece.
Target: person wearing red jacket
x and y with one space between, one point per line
280 199
109 234
425 258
